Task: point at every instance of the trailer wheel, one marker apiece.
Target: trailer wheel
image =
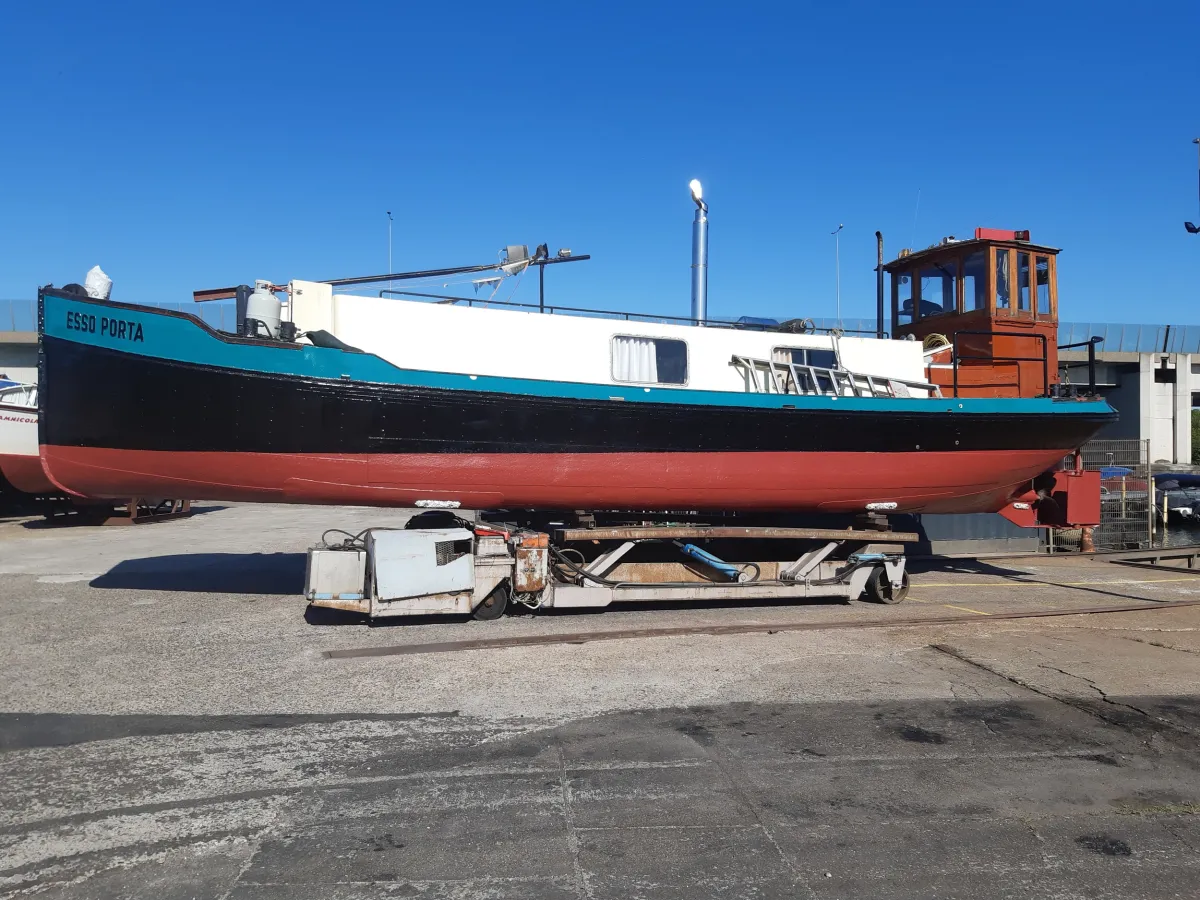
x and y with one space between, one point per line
494 604
880 590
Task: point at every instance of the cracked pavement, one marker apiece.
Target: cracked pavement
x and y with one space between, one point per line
169 728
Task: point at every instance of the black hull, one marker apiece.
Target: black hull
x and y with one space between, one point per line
104 398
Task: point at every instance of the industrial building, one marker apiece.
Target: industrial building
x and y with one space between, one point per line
1150 373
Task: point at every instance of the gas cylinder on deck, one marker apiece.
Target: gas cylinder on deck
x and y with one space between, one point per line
264 312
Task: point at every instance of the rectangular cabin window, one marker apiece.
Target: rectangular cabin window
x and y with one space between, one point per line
802 357
1042 270
937 288
902 297
975 281
1023 286
806 356
649 360
1003 285
822 359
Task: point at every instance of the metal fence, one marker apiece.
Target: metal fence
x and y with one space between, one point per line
1133 338
1126 497
21 315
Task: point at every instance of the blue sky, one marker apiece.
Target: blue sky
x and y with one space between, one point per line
186 146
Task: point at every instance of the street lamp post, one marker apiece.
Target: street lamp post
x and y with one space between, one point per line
389 271
837 269
389 215
699 254
1191 228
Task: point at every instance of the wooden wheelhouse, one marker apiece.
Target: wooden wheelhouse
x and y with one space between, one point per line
986 310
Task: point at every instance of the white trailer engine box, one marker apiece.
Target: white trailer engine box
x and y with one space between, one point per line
420 562
337 578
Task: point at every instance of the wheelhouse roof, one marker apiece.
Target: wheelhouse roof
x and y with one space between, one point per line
954 248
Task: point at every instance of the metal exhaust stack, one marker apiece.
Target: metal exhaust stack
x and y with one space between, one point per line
879 330
699 254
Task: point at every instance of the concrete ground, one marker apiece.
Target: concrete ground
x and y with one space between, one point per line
170 727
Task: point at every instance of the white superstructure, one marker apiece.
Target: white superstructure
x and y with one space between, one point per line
498 341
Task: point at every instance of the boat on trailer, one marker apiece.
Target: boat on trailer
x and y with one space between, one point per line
330 397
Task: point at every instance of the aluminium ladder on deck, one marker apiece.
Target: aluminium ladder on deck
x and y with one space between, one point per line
801 379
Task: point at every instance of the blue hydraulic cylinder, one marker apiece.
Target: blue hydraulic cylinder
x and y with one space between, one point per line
730 571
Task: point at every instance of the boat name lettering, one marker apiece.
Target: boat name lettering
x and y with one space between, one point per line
77 321
121 329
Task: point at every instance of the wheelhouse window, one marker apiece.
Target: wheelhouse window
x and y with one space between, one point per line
937 288
902 297
1023 285
1003 286
975 281
1042 270
990 276
649 360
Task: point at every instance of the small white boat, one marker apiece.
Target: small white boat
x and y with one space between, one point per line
20 463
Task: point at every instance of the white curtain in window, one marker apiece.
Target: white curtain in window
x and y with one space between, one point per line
634 359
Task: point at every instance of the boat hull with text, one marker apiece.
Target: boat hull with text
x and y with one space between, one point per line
189 411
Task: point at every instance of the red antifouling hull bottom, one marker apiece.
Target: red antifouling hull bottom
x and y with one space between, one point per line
25 474
933 482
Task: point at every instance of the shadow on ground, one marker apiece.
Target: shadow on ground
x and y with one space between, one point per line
316 615
64 515
962 566
22 731
215 573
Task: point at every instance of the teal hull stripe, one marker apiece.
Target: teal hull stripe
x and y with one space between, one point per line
183 340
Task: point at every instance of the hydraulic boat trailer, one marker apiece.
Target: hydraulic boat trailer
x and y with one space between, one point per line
479 568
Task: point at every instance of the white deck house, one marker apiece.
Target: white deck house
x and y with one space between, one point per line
517 344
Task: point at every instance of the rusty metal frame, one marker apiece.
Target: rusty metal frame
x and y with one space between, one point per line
1153 559
700 532
139 512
